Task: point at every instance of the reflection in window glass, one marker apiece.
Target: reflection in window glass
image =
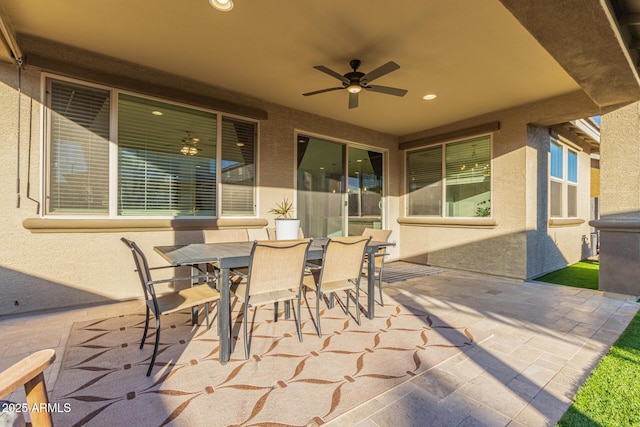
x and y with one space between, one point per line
467 173
556 160
572 166
164 162
238 167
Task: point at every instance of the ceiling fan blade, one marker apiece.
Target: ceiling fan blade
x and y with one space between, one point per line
315 92
388 90
332 73
353 100
380 71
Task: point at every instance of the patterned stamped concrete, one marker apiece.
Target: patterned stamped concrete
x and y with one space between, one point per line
533 346
284 382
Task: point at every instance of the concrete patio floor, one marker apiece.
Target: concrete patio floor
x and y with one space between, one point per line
535 345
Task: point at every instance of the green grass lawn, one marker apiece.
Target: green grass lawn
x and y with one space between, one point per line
583 274
611 395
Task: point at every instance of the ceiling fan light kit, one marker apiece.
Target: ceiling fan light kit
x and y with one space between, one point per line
354 81
223 5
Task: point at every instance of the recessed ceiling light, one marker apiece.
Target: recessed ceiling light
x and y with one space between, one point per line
430 97
156 113
223 5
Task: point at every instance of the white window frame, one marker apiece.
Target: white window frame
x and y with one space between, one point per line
113 153
565 182
443 196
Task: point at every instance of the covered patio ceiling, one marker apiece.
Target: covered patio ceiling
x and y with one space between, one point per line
477 57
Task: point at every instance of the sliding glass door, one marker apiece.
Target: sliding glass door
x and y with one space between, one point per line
339 188
364 190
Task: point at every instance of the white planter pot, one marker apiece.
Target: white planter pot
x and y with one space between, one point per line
287 229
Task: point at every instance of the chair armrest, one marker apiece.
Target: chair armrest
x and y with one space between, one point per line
25 370
30 373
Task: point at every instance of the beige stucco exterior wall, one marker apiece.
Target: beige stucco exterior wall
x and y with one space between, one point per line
520 243
619 222
58 269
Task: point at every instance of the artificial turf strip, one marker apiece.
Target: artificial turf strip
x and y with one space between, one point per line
611 395
583 274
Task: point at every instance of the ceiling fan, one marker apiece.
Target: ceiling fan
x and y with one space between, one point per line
354 81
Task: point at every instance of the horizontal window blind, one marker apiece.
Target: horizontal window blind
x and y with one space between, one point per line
424 181
166 159
572 201
78 180
555 199
238 167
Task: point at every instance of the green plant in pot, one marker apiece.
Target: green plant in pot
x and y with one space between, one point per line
286 226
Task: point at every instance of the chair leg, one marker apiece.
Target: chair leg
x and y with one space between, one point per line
275 311
297 314
319 294
380 288
357 304
206 314
347 304
146 329
246 320
155 347
218 318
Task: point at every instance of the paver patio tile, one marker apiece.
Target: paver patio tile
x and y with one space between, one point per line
411 410
494 394
484 416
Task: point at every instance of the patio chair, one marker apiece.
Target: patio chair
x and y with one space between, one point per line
275 274
225 236
271 233
28 372
377 235
340 270
168 303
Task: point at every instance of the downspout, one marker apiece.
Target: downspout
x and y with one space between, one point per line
9 39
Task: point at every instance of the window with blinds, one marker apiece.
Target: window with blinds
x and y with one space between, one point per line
171 160
166 159
468 177
563 181
238 167
458 173
424 181
78 155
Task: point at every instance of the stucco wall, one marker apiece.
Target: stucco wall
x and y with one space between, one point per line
58 269
620 201
520 244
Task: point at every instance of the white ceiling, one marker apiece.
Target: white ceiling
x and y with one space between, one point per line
473 54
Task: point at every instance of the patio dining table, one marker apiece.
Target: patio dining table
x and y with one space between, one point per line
237 254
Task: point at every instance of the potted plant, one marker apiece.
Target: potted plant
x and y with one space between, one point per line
286 226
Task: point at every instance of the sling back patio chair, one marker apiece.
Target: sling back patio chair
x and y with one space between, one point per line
340 270
275 274
28 372
377 235
271 233
225 236
202 294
